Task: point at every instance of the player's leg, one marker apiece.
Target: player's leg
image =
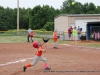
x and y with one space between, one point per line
28 38
36 59
56 43
32 39
76 39
69 36
73 39
78 36
45 63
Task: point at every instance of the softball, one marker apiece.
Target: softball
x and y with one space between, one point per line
73 3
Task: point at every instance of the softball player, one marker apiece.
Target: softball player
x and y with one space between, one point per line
29 31
55 38
74 35
31 35
38 56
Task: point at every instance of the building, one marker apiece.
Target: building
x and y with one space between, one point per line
64 21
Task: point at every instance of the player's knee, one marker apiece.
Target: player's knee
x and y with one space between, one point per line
33 64
45 60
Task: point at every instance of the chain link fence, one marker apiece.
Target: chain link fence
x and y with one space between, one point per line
37 33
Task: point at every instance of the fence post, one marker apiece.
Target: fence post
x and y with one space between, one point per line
63 36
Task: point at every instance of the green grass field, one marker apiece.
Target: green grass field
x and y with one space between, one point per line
23 39
93 45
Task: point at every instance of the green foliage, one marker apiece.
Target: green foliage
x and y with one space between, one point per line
91 9
24 18
98 10
8 18
39 16
49 26
67 7
78 8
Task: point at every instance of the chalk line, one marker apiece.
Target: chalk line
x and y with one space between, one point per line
21 60
66 44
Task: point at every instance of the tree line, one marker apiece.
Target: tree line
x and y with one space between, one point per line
42 17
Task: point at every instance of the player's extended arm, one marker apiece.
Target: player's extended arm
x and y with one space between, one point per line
42 43
43 50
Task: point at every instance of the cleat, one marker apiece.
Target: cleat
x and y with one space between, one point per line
24 68
47 68
54 47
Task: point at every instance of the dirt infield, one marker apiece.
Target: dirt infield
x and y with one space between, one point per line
67 60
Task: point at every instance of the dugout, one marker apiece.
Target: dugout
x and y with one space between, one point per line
91 27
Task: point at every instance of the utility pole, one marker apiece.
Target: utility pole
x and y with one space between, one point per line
18 17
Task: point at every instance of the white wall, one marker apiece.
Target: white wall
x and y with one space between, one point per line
82 23
61 23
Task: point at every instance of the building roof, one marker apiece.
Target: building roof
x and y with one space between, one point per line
77 15
93 22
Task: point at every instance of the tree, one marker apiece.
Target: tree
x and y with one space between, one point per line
85 8
1 18
49 26
34 19
9 20
98 10
67 6
39 16
24 18
91 8
78 8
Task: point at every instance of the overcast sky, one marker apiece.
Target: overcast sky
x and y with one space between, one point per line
31 3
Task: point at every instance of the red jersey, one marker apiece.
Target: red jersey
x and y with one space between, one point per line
70 30
31 34
55 36
38 51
